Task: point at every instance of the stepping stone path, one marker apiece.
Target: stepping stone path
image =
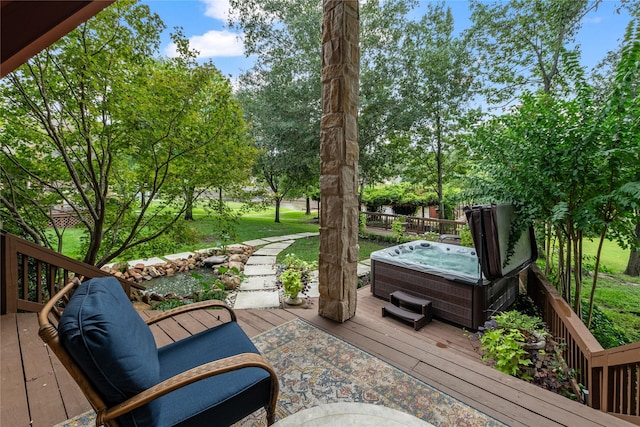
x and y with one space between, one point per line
259 289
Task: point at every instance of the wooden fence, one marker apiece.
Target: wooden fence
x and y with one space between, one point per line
611 377
29 274
414 224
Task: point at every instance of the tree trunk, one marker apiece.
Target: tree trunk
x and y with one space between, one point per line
442 213
308 210
633 266
220 209
188 213
278 201
603 235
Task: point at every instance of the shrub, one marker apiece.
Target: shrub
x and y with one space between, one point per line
603 329
362 223
397 228
465 237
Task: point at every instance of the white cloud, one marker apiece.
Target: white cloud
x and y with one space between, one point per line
213 44
217 9
594 20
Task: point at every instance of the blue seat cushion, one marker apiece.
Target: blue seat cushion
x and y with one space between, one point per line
219 400
113 346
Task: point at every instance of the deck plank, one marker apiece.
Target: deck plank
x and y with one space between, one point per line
460 374
40 379
438 354
14 409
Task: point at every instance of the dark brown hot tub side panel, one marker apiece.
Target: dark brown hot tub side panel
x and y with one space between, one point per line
464 304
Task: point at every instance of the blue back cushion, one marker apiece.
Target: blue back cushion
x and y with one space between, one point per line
113 346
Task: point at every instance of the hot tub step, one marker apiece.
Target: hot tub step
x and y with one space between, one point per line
418 319
417 304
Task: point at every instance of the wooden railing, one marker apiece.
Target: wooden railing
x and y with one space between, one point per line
611 377
414 224
30 274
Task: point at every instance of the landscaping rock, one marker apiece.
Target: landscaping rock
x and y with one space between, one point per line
213 261
237 264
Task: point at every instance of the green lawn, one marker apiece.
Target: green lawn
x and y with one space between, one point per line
613 257
617 295
307 249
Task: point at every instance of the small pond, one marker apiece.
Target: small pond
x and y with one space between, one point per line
182 284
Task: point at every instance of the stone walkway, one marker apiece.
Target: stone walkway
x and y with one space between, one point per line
259 289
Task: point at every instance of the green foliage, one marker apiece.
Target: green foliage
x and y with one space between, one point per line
294 274
211 289
514 319
291 280
403 196
431 236
465 236
362 223
128 151
169 303
503 338
439 73
397 228
525 43
182 233
603 329
504 347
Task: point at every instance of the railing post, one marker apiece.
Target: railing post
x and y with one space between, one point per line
8 274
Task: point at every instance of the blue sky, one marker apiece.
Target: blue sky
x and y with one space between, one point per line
204 24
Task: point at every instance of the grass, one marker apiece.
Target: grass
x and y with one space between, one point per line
613 257
307 249
617 295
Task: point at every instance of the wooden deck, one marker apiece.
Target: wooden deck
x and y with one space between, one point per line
36 391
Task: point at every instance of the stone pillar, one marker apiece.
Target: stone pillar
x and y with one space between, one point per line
338 276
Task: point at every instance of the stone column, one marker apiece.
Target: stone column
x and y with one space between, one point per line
338 277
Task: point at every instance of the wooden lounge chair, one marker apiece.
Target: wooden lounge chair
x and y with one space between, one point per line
215 377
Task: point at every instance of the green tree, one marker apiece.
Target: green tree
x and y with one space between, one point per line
522 44
281 93
575 166
438 80
380 120
284 86
94 122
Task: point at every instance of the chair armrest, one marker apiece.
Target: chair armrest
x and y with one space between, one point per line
228 364
191 307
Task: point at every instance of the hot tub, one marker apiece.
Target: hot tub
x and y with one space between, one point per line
447 275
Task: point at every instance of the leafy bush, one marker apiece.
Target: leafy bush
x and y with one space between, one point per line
362 223
169 303
404 198
503 338
397 228
603 329
465 237
504 346
291 280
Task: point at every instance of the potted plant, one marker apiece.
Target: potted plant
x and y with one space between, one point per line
294 275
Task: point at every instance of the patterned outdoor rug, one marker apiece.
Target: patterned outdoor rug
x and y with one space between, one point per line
315 368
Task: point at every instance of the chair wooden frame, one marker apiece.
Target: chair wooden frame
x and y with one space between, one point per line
48 319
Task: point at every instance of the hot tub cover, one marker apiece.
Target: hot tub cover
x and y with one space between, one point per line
490 227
